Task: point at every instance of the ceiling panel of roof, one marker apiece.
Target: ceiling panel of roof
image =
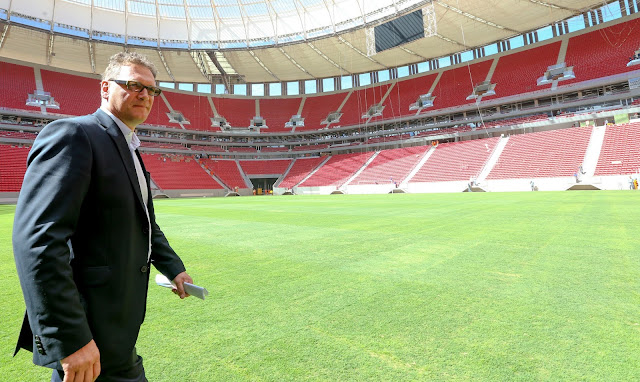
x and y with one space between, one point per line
297 25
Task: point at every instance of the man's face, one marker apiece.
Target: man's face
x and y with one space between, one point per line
129 106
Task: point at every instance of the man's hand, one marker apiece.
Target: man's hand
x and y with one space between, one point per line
83 365
180 279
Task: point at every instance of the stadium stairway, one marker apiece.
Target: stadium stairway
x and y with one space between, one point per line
418 166
593 153
364 166
493 159
318 167
211 174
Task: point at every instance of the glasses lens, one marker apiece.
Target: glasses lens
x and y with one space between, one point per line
135 86
153 91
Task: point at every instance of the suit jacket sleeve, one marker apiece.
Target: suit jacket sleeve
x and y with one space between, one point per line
50 201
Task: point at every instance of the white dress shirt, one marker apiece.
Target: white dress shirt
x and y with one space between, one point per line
134 142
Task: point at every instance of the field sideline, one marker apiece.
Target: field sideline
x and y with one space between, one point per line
453 287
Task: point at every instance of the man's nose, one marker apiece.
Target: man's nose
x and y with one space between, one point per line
144 93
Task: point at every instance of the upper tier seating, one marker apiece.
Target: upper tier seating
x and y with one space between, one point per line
265 167
603 52
337 170
359 102
518 73
300 169
171 172
456 161
237 111
405 93
76 95
545 154
391 166
456 85
317 108
620 154
227 171
13 165
277 112
194 108
16 83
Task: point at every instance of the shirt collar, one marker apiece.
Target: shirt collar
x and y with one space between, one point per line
132 139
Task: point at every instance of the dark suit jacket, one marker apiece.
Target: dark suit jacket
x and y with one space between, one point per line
80 241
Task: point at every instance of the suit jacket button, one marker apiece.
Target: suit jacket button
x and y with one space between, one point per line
144 269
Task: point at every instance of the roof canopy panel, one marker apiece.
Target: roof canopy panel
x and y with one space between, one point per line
268 40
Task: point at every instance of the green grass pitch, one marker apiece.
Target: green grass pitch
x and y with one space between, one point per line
447 287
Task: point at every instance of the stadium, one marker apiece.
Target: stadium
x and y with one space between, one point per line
381 157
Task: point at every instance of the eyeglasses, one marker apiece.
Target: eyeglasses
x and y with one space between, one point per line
138 87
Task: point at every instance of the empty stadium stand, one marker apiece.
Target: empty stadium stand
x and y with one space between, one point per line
317 108
13 165
227 171
390 166
277 112
404 94
603 52
76 95
457 84
16 83
517 73
300 169
337 170
456 161
237 111
359 102
620 153
195 108
545 154
171 172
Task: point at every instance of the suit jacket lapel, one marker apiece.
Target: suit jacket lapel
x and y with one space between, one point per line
118 139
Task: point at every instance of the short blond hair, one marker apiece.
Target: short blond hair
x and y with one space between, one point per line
118 60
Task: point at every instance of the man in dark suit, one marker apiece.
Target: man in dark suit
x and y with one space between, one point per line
85 234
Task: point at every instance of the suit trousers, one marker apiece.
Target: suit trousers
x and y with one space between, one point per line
133 372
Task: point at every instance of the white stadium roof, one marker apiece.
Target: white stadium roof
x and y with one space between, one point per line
258 40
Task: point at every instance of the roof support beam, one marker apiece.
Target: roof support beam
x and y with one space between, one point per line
50 53
216 19
327 58
187 17
347 43
294 62
263 65
166 66
5 29
556 6
475 18
331 12
223 75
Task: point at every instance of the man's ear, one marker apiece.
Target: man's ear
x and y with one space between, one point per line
104 89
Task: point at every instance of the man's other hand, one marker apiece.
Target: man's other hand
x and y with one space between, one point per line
180 279
83 365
